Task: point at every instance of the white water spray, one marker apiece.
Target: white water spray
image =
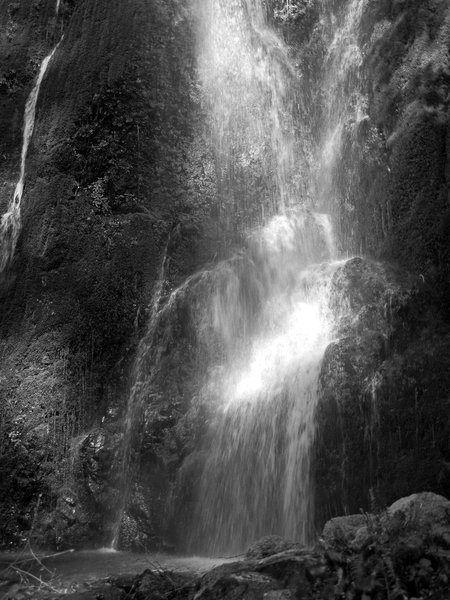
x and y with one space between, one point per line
11 220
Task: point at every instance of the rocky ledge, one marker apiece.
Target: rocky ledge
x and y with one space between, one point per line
402 553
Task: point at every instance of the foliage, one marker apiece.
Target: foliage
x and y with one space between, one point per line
390 566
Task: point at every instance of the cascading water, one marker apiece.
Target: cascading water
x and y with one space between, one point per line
11 220
256 479
263 321
271 319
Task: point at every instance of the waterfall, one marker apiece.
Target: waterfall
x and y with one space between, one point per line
261 317
11 219
271 319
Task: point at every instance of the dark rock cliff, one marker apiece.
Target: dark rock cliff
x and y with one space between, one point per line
116 163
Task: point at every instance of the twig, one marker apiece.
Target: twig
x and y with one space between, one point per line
39 561
56 554
38 579
20 561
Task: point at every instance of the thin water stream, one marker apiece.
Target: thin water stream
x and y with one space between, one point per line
11 221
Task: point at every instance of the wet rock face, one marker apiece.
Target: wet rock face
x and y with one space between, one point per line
390 181
383 415
113 167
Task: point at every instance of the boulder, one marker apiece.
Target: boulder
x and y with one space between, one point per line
344 531
419 518
410 523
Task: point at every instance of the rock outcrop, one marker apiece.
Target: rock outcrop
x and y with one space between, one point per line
382 418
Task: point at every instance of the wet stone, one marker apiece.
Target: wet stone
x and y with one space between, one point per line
280 595
243 586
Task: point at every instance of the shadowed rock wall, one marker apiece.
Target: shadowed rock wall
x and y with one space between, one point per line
383 420
112 169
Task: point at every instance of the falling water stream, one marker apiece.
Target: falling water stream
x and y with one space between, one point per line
257 476
344 100
267 307
11 220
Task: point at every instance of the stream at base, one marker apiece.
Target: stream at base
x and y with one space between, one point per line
76 571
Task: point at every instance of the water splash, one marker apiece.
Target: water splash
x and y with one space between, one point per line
11 220
257 479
